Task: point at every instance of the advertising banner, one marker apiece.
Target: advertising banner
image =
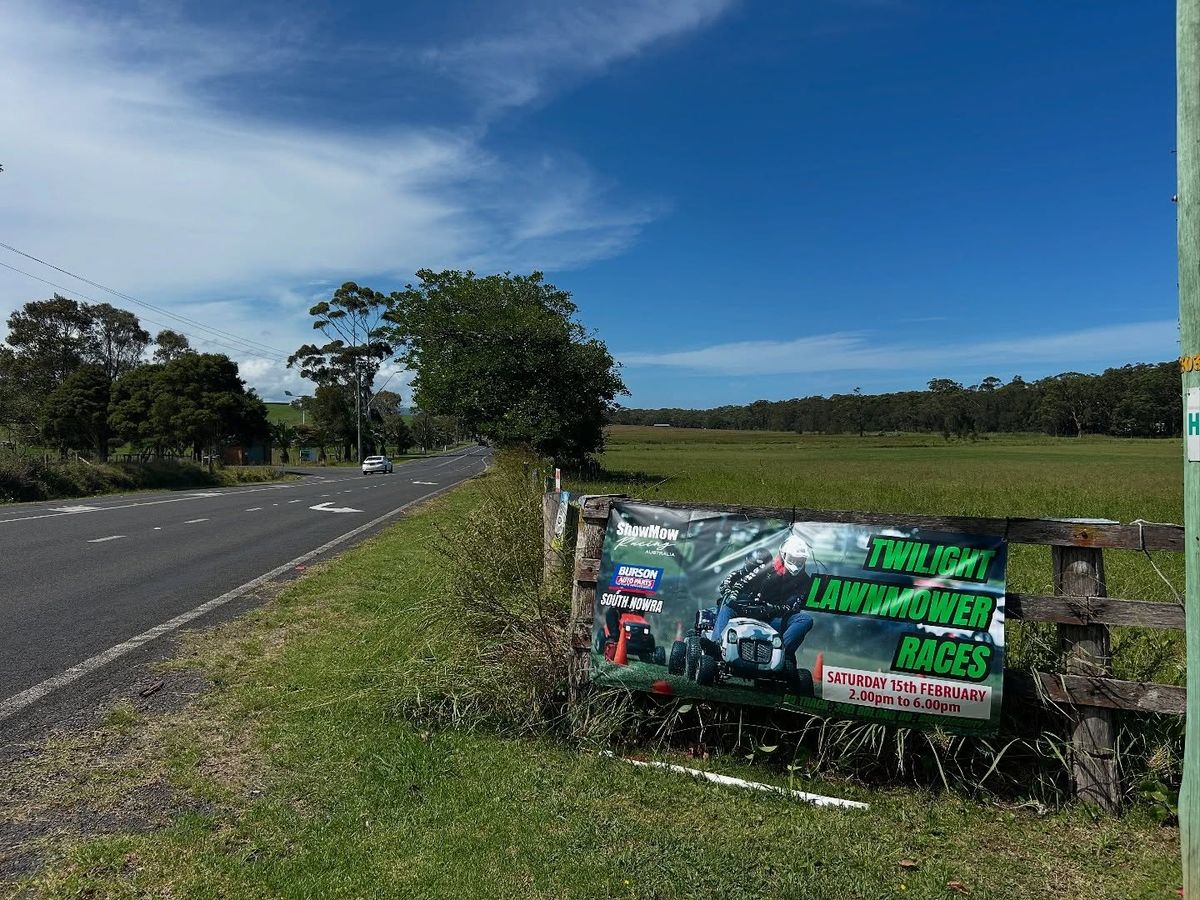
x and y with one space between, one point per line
889 624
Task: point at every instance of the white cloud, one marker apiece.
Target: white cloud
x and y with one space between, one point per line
121 164
846 351
553 41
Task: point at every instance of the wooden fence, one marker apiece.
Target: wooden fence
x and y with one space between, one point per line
1084 692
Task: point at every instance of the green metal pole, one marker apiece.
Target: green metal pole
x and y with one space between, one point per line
1187 62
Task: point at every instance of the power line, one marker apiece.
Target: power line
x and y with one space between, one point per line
194 323
74 294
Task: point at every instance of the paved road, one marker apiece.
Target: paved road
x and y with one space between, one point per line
83 577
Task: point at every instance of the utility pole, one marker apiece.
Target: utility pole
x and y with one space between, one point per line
358 405
1187 160
357 395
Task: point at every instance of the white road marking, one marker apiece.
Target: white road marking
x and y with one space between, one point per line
329 507
194 521
158 528
73 509
256 508
111 537
97 509
424 482
19 701
295 501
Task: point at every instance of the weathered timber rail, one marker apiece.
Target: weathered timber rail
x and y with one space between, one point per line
1084 693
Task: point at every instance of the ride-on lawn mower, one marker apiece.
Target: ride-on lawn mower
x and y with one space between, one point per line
634 631
749 650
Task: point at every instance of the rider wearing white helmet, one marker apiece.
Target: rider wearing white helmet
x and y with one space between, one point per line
772 588
793 552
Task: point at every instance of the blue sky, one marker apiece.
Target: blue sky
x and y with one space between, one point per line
748 199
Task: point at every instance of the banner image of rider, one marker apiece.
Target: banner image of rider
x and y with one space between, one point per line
771 588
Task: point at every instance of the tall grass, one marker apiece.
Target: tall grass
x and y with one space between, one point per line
24 478
505 665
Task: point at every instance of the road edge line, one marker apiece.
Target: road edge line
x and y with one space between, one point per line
23 699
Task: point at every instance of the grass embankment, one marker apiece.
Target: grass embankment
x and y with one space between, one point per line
302 777
28 478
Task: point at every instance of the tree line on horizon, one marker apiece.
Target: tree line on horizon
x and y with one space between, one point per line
1136 400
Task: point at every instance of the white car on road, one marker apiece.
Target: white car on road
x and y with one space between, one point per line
373 464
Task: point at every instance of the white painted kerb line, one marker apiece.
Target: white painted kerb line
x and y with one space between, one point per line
18 702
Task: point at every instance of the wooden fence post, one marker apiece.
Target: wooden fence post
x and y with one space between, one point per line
589 543
1079 572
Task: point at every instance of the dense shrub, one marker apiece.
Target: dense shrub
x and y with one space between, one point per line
34 478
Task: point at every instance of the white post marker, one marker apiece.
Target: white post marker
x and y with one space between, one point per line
1191 422
558 480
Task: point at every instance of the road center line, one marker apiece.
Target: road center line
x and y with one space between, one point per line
19 701
111 537
194 521
255 508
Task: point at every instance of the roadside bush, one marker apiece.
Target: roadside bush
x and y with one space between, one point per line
506 667
26 478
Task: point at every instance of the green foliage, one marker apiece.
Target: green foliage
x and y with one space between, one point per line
283 436
352 321
52 338
119 339
503 355
170 344
75 414
331 412
196 401
387 415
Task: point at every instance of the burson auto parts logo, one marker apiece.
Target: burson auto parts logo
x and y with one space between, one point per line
636 579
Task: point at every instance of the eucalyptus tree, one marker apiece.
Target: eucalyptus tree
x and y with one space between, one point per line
357 343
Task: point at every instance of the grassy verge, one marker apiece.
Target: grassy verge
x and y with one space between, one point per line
298 774
24 478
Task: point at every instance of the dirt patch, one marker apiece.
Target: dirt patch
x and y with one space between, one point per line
123 763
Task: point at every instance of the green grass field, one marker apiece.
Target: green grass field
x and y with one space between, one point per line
1006 475
299 775
283 412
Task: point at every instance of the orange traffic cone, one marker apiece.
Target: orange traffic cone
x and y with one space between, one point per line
621 657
